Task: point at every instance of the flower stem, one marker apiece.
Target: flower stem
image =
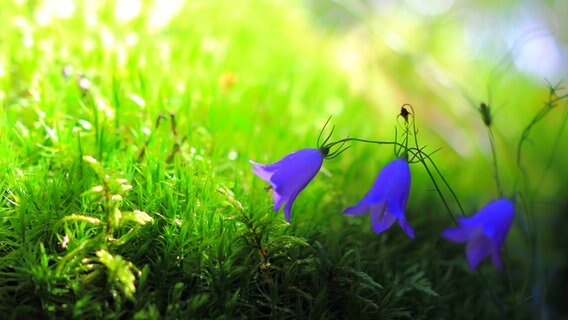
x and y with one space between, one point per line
364 141
422 158
440 193
454 195
495 166
528 198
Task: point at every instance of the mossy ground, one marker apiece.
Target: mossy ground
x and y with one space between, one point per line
170 114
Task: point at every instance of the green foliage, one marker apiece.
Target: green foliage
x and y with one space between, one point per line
125 190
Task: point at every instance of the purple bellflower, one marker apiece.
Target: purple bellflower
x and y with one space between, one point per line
290 175
387 198
484 232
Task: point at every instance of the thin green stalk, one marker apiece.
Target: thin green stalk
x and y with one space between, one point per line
491 292
454 195
549 105
419 152
440 193
495 165
444 201
534 246
364 141
555 148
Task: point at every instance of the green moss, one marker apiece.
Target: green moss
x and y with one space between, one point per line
176 111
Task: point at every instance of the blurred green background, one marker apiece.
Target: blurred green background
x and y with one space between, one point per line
257 79
443 57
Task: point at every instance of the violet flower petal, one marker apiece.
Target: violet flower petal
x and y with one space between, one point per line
477 250
357 210
484 232
289 176
387 197
406 227
380 219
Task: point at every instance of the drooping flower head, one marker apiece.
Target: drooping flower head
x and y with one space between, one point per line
386 200
484 232
290 175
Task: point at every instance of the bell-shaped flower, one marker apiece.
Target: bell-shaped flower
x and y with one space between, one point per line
386 201
484 232
290 175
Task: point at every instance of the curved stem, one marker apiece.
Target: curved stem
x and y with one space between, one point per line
454 195
549 105
321 133
438 188
421 159
495 166
364 141
528 198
